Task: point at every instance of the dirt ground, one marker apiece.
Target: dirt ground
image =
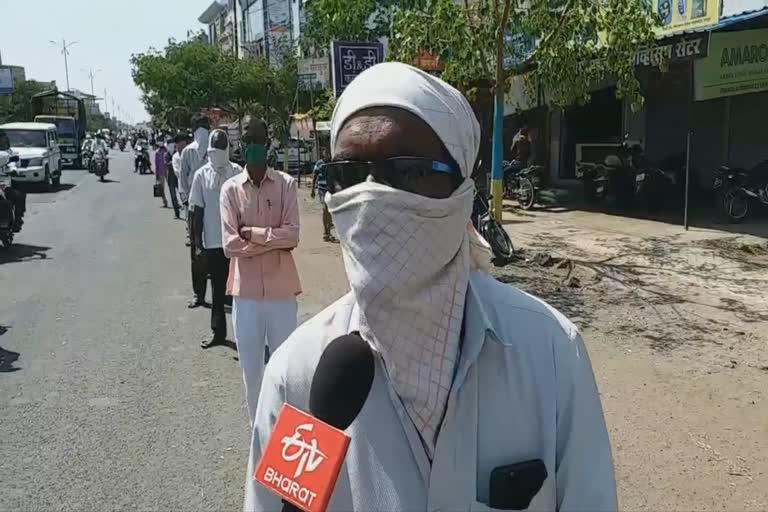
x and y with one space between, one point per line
677 328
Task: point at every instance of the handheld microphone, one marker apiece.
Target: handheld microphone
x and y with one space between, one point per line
304 454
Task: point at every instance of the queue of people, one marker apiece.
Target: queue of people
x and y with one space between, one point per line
475 381
242 225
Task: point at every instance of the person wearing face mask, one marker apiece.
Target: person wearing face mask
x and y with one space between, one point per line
194 156
260 226
161 170
172 179
206 226
483 396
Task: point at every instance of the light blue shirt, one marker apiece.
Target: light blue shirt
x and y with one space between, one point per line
524 389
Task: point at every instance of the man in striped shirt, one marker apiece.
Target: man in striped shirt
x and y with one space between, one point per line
320 183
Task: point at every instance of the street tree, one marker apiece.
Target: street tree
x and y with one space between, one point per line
564 47
351 20
190 76
561 47
17 106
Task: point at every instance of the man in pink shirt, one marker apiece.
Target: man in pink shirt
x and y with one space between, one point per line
260 228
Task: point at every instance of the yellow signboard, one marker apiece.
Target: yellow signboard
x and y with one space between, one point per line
681 15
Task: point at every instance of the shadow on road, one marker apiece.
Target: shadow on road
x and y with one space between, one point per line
22 252
107 180
7 357
702 215
38 189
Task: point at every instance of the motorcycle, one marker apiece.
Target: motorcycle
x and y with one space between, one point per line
87 159
492 230
621 175
141 163
735 189
521 183
9 224
100 166
121 144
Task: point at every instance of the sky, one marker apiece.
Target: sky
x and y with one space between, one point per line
107 32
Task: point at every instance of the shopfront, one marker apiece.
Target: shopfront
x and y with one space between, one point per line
733 80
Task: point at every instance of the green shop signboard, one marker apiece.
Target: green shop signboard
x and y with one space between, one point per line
737 64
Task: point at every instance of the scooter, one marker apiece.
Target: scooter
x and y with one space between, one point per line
87 160
100 166
142 159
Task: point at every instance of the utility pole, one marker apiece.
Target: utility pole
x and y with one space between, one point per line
92 74
65 46
234 22
106 103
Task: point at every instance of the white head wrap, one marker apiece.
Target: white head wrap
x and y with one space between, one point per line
408 256
219 158
441 106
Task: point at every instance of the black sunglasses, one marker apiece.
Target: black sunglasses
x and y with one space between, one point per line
398 172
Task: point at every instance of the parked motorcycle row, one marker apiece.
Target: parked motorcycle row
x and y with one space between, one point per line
629 179
736 190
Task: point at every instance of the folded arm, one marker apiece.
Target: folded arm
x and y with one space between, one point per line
235 246
285 236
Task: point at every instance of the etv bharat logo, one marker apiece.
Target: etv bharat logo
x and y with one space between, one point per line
307 453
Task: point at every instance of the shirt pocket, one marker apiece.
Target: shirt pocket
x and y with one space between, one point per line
249 211
544 500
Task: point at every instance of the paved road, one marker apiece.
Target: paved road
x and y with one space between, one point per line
111 403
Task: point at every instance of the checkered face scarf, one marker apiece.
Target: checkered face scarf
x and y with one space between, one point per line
407 258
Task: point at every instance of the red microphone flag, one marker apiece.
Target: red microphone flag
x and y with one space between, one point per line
302 460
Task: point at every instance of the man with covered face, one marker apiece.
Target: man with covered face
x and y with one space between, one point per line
205 215
471 375
193 157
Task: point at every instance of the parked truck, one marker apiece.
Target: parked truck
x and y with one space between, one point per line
67 112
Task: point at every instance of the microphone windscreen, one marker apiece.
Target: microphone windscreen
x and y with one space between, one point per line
342 381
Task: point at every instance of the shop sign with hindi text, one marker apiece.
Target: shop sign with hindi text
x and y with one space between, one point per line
674 50
349 59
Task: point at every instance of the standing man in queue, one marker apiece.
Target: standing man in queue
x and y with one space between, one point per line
205 213
260 226
483 396
193 157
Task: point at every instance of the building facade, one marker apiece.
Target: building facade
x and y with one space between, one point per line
692 94
222 19
255 28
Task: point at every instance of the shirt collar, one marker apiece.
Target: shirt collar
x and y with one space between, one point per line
477 326
246 178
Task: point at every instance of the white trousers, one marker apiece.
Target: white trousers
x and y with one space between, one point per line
256 323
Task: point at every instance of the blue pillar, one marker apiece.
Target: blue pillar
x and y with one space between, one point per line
497 176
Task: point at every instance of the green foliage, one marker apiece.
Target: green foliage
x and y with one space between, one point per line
338 20
190 76
324 102
17 107
580 43
351 20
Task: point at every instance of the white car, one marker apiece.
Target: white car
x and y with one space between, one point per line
37 146
299 155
